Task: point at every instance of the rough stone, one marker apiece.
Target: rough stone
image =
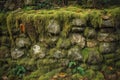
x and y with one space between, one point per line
78 29
53 27
22 42
107 47
94 56
78 22
37 51
78 39
63 43
17 53
75 54
107 37
90 33
107 30
58 54
28 2
92 43
107 23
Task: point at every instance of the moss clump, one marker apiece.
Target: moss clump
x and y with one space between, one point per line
63 43
95 18
49 75
33 75
85 54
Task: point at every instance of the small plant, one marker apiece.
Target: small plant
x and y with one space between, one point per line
76 68
19 71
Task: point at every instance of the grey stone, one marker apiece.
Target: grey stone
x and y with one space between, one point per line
28 2
78 39
107 47
92 43
53 27
63 43
107 23
58 54
17 53
22 42
75 54
37 51
78 22
94 56
90 33
78 29
107 37
107 30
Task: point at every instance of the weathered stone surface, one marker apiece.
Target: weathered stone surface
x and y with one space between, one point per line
78 39
107 23
37 51
91 56
75 54
28 2
92 43
17 53
109 56
107 47
94 56
22 42
53 27
107 37
78 22
49 41
78 29
90 33
63 43
58 54
107 30
31 31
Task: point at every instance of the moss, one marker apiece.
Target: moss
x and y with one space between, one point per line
90 74
77 76
109 56
115 15
10 26
63 43
99 76
49 75
117 64
26 62
33 75
95 18
85 54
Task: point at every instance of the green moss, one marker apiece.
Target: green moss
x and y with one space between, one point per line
85 54
117 64
95 18
63 43
109 56
99 76
26 62
49 75
33 75
10 25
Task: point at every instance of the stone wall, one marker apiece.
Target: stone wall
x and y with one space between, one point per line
55 44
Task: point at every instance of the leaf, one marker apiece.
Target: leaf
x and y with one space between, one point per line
71 64
81 70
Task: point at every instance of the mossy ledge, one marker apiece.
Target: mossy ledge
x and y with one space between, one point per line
43 44
64 16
